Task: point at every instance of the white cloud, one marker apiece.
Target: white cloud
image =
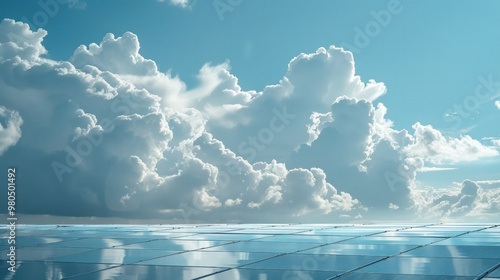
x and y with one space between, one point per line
117 55
117 149
393 206
433 168
18 43
467 201
10 128
497 104
432 146
107 134
180 3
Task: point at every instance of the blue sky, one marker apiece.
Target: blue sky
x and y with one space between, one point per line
431 56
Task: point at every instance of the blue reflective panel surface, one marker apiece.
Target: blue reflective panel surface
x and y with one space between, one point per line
269 231
27 241
495 273
487 234
343 232
376 276
392 240
199 230
360 249
471 252
48 270
431 266
96 242
420 233
141 234
174 244
211 259
270 274
255 251
222 236
43 253
471 241
319 239
313 262
113 256
145 272
251 246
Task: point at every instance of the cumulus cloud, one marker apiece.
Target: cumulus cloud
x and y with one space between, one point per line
106 133
466 201
18 43
359 156
117 55
104 145
497 104
10 128
180 3
432 146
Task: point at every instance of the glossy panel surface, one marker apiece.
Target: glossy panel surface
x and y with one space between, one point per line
249 246
495 273
376 276
48 270
174 245
360 249
431 266
314 262
113 256
150 272
254 251
212 259
260 274
479 252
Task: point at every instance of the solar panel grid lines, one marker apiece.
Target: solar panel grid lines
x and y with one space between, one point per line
365 251
400 253
490 272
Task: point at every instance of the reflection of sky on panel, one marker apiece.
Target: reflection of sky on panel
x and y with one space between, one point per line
270 274
49 270
113 256
360 249
471 241
255 251
174 244
318 239
95 242
250 246
150 272
486 252
210 259
43 253
314 262
392 240
379 276
432 266
221 237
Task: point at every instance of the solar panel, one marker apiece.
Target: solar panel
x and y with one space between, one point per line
255 251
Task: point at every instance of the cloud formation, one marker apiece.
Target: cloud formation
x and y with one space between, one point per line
108 134
433 147
10 128
180 3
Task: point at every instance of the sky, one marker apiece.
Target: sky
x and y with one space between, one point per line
252 111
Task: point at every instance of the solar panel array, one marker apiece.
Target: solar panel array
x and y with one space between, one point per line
255 251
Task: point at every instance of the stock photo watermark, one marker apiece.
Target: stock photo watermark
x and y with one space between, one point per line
485 90
11 218
225 6
251 147
380 19
49 9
